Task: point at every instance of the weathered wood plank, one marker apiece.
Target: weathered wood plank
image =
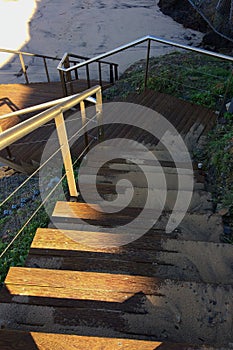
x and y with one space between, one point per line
79 280
94 212
150 255
74 241
144 307
18 340
17 96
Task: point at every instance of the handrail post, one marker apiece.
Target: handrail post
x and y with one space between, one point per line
88 76
63 83
147 64
100 74
65 149
99 113
46 69
116 71
111 74
68 75
76 73
24 70
84 121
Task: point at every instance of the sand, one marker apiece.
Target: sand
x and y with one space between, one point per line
89 27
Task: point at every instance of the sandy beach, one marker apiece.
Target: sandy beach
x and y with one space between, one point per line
87 28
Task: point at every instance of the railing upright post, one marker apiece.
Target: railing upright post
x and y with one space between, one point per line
116 71
46 69
68 75
147 64
84 120
76 72
24 69
63 83
99 113
100 73
88 76
111 74
65 149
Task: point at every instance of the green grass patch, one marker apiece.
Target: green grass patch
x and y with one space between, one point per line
189 76
18 252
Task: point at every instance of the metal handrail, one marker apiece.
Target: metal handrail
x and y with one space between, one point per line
16 52
42 106
22 129
140 41
69 54
65 70
148 39
21 54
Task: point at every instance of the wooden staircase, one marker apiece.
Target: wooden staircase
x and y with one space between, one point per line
161 291
26 153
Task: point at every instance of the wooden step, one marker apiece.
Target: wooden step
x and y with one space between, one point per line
88 251
18 340
201 200
71 212
118 166
8 123
117 306
136 155
194 226
150 255
142 180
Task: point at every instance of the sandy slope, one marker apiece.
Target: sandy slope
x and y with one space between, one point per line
90 27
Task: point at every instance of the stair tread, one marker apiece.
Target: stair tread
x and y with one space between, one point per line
76 241
117 304
74 211
13 339
151 255
197 226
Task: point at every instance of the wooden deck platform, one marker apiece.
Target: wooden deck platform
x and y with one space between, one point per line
186 117
18 96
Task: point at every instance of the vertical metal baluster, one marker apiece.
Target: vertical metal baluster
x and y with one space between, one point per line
147 64
65 149
46 69
100 74
111 74
88 76
68 75
116 72
99 113
24 70
76 72
84 120
63 83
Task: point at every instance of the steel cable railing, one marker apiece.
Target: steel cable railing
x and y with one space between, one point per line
56 112
29 125
150 44
24 66
48 196
64 71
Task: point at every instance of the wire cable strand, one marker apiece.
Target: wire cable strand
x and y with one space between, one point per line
32 216
41 205
42 165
